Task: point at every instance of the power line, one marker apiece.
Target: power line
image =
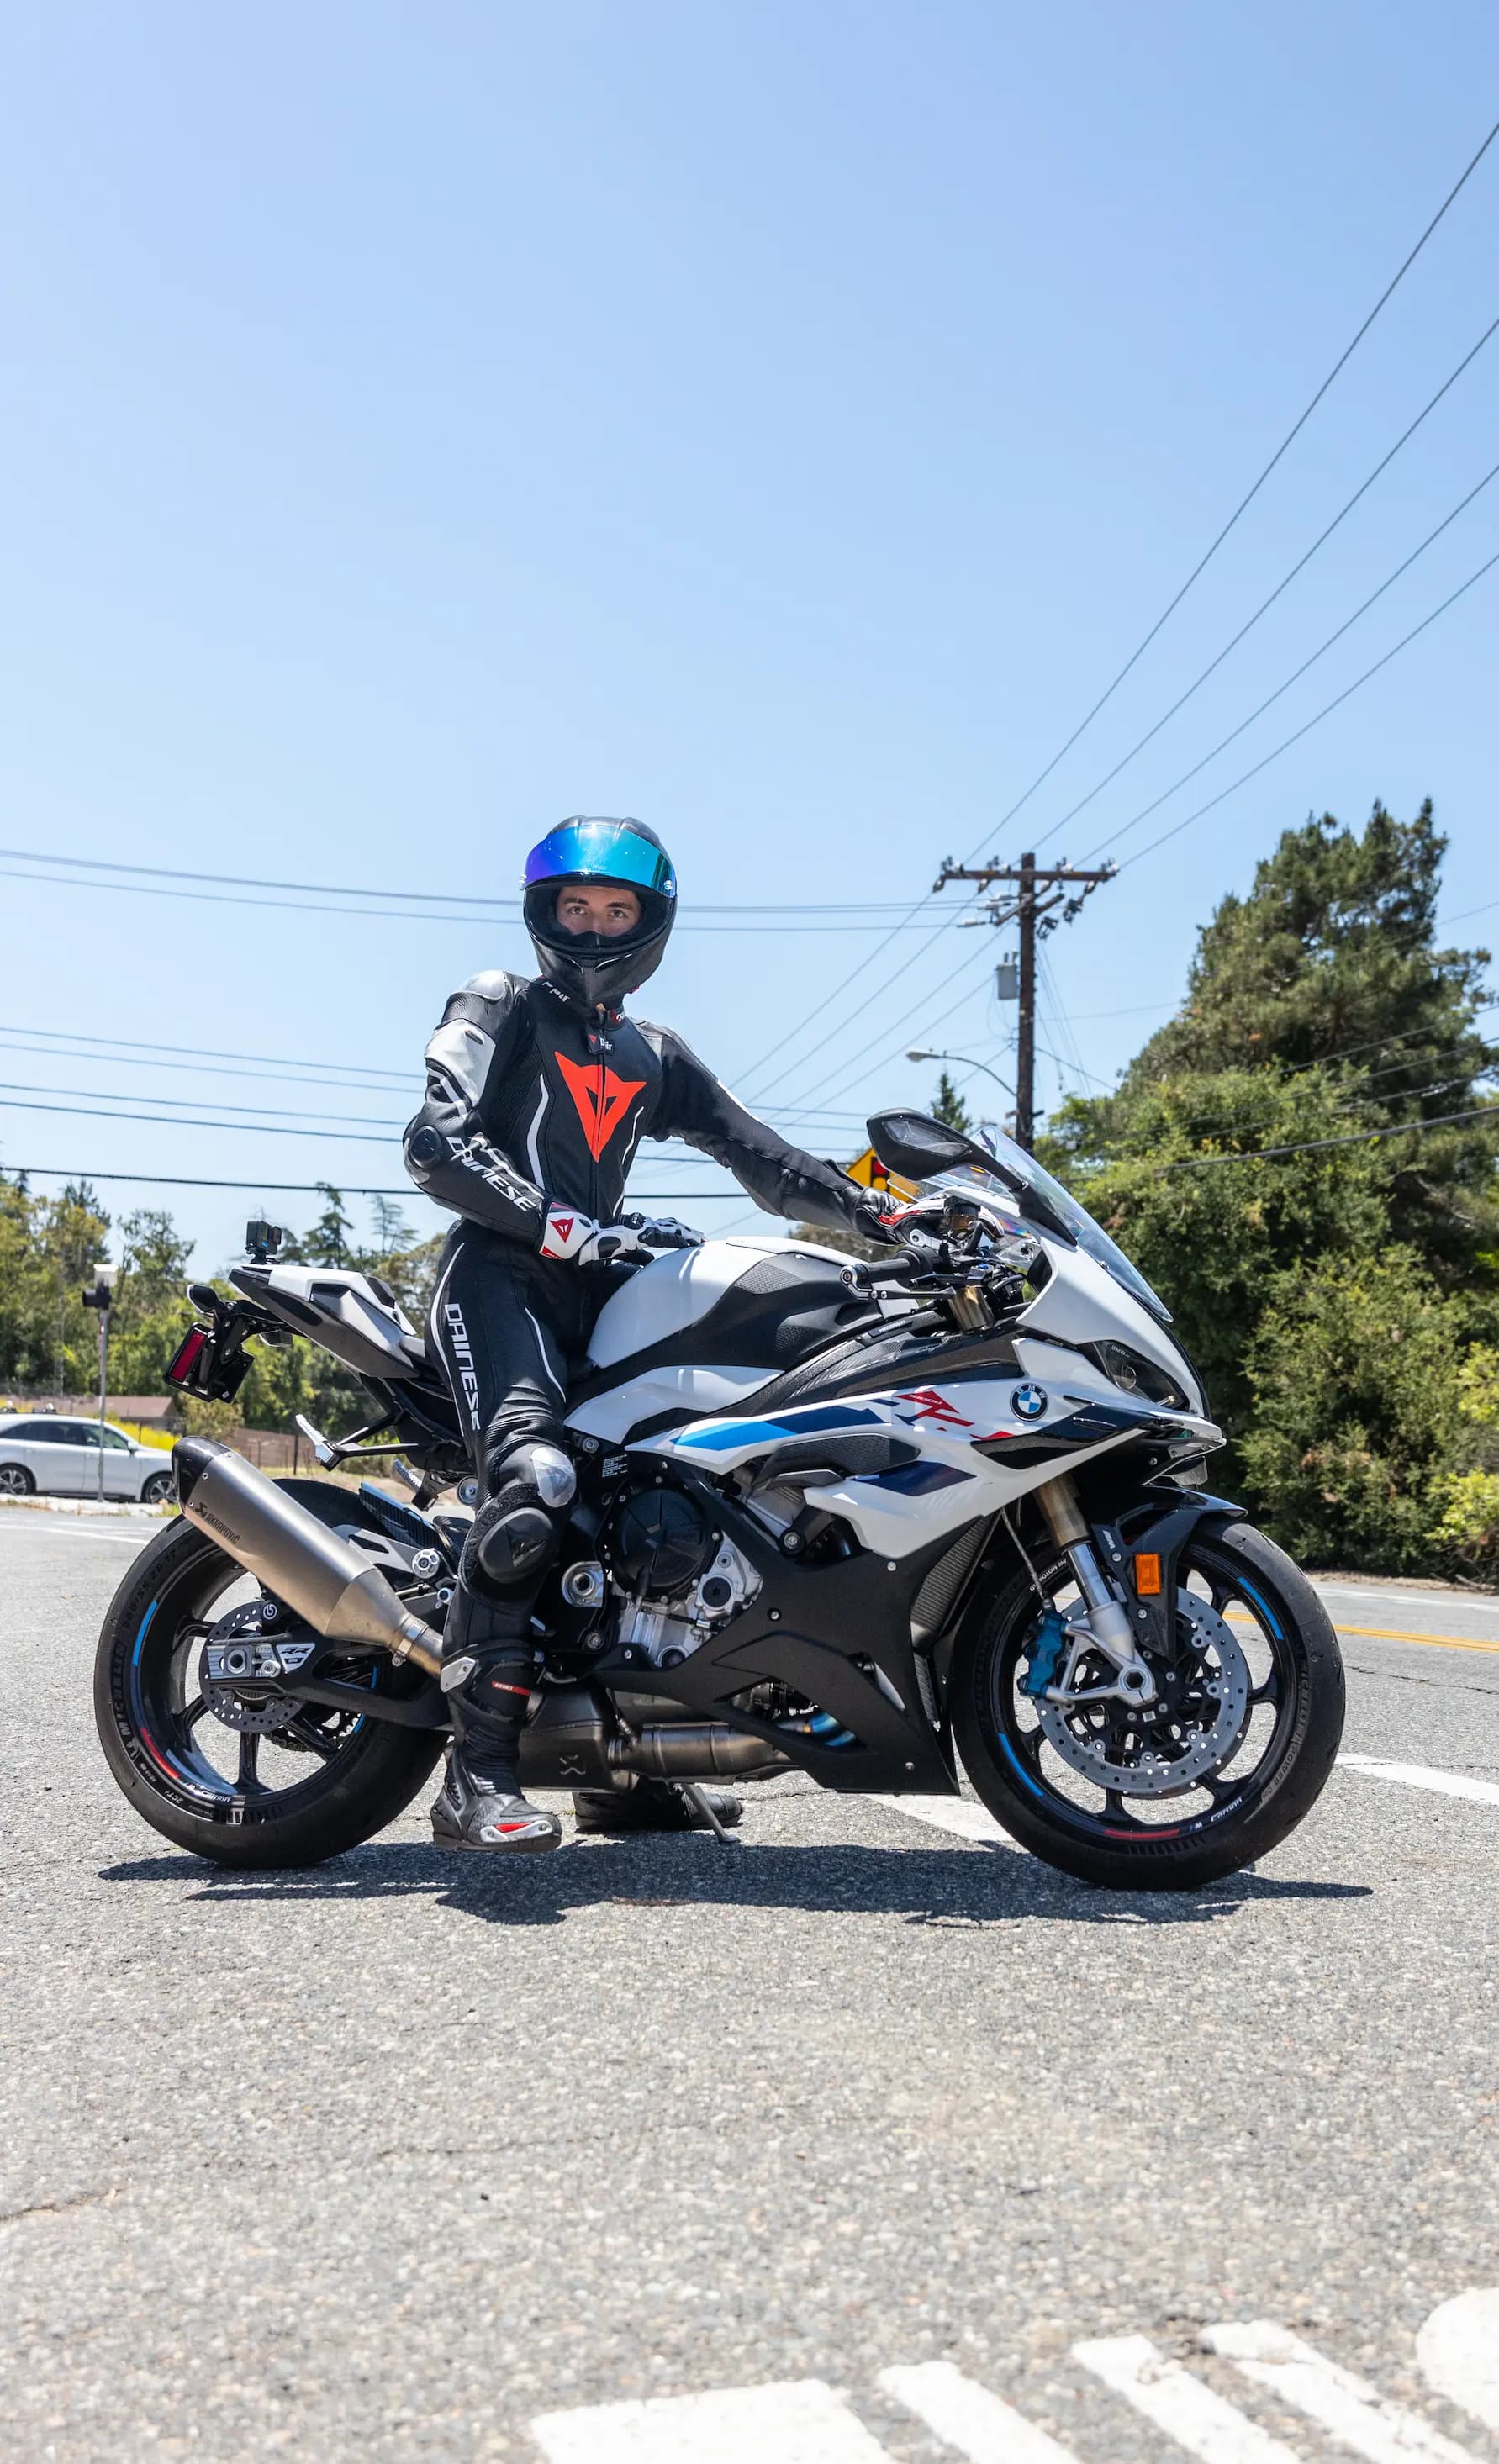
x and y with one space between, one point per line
1464 913
249 1129
794 1033
1284 585
188 1105
1324 712
418 897
1245 501
866 1065
1294 678
465 915
14 1172
43 1049
1355 1138
198 1052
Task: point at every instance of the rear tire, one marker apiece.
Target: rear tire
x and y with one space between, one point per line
1272 1796
16 1481
139 1685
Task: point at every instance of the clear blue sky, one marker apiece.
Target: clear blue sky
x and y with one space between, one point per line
776 421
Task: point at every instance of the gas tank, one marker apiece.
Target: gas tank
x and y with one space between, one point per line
681 1288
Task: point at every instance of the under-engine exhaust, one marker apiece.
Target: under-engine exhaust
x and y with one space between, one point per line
325 1580
696 1749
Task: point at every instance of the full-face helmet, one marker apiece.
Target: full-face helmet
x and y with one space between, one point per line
592 968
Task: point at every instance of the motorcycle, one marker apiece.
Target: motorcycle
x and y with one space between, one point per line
869 1521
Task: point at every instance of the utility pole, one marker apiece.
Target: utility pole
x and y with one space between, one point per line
1034 916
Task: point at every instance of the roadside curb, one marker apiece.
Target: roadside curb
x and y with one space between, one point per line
86 1505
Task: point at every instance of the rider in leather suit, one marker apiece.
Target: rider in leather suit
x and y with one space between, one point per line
539 1091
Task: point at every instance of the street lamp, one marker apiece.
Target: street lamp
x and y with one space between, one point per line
968 1062
99 1296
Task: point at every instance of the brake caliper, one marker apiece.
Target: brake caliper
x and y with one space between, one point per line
1048 1648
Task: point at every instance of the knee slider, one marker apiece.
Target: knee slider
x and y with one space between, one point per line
538 1472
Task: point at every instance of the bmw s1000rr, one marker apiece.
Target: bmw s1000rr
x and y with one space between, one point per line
868 1522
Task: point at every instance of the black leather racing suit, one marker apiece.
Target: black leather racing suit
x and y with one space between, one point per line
530 1104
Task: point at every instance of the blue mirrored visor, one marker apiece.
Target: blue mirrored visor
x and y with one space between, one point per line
600 851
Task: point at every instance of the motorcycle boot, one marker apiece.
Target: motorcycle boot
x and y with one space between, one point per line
488 1682
490 1662
654 1804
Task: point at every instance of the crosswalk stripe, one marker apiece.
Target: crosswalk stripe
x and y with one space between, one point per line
1457 2350
795 2421
1189 2412
1347 2406
1445 1783
957 1815
982 2427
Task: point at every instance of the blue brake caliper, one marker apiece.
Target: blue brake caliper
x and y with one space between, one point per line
1047 1647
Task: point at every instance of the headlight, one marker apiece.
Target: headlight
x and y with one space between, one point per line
1125 1367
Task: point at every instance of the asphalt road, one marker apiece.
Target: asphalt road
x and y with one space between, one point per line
825 2149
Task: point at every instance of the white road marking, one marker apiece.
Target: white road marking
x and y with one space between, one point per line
957 1815
982 2427
77 1532
1457 2350
1449 1604
1347 2406
1187 2410
1417 1776
797 2421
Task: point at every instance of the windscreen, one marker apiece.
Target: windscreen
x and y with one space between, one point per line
1044 1202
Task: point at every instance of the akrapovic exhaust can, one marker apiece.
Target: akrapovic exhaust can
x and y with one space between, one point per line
324 1578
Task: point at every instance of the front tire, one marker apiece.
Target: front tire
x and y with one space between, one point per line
1293 1722
346 1777
157 1488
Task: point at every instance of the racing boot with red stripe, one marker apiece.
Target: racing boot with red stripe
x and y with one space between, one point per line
488 1683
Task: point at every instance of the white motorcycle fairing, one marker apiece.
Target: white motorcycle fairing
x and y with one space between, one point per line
1056 1410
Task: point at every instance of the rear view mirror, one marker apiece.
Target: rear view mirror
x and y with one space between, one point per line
917 1146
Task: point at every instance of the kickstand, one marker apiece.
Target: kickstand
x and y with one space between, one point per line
701 1805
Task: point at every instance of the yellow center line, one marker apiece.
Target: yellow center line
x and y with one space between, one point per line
1385 1634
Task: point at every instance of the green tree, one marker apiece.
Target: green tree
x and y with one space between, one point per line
948 1105
1332 954
47 1248
328 1243
1319 1006
1355 1377
151 1313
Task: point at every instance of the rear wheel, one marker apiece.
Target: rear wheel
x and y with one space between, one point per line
273 1783
16 1481
1234 1755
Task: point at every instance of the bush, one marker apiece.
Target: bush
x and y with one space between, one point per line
1356 1419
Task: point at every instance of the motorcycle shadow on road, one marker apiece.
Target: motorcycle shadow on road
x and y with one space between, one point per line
952 1888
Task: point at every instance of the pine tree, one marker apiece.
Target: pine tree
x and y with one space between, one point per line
949 1107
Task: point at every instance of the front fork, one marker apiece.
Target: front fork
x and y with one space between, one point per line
1106 1624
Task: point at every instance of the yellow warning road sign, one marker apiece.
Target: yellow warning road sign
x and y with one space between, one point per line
871 1174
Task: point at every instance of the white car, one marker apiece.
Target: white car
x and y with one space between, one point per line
42 1451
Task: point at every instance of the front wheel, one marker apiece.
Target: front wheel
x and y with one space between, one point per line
157 1488
1234 1755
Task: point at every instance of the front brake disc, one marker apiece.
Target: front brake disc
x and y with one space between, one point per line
1190 1736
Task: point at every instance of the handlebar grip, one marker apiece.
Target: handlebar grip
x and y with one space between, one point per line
870 1270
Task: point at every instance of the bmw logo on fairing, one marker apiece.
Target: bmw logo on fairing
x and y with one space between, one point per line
1029 1400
